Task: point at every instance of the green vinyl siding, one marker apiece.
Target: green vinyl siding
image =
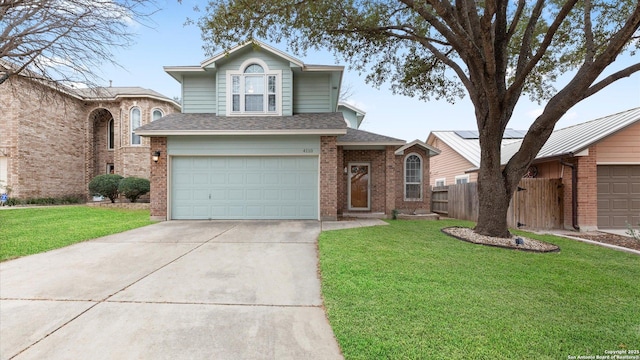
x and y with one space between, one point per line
308 145
199 94
312 93
273 62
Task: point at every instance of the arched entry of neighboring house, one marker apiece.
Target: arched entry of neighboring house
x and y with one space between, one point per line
101 143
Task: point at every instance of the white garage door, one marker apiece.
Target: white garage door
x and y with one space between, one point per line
244 187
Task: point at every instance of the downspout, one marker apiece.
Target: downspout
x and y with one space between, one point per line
574 194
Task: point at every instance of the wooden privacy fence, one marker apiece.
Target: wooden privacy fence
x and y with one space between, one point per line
538 206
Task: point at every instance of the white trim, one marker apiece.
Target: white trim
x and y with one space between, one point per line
349 165
444 181
242 132
404 177
460 177
153 112
618 163
267 72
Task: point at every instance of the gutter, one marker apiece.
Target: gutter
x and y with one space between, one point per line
574 194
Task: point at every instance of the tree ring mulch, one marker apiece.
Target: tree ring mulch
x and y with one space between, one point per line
516 242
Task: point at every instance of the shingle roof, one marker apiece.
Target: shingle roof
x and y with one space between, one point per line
356 137
114 92
211 124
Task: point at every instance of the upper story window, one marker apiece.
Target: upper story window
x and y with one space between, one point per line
254 90
110 135
157 114
135 116
413 177
462 179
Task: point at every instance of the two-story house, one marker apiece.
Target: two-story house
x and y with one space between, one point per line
55 139
263 135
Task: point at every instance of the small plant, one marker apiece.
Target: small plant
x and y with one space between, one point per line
635 233
132 188
106 185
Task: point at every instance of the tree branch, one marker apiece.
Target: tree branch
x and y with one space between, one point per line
611 79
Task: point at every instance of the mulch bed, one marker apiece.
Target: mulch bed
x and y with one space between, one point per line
516 242
612 239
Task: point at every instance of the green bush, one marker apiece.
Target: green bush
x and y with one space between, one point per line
105 185
132 188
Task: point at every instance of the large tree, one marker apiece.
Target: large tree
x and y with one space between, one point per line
65 41
493 51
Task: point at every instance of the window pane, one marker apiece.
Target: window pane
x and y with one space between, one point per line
254 69
254 85
413 170
157 114
413 191
272 84
111 135
235 88
135 123
235 103
272 103
253 103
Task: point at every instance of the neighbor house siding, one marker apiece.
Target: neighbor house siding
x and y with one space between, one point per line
311 93
449 164
199 94
272 61
621 148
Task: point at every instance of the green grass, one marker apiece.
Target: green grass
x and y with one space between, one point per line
407 291
35 230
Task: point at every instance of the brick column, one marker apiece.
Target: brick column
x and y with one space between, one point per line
588 191
390 174
158 179
328 178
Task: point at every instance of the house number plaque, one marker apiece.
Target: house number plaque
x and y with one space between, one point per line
307 150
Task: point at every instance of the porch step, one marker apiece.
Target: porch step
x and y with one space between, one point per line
363 215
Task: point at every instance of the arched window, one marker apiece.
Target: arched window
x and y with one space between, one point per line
413 177
254 90
110 135
135 123
157 114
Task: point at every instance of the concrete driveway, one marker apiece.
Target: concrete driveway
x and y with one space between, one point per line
173 290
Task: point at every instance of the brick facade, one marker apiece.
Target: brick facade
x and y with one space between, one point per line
412 206
55 143
588 191
158 179
386 180
328 178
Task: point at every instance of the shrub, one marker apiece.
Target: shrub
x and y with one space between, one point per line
132 188
105 185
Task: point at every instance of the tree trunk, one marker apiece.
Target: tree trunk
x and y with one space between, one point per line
494 198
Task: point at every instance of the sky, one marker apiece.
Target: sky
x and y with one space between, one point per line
168 42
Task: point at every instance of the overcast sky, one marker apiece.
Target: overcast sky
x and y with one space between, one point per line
170 43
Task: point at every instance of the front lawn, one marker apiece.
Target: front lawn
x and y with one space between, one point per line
34 230
408 291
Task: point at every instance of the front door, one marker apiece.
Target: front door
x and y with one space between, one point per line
359 186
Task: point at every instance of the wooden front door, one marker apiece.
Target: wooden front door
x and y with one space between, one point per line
359 186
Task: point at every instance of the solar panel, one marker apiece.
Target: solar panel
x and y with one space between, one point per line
467 134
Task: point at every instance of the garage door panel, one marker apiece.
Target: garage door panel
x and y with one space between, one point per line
245 187
618 195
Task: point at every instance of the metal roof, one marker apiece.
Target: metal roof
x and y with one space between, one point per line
566 141
469 148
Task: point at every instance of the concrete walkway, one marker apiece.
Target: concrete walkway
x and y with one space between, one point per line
173 290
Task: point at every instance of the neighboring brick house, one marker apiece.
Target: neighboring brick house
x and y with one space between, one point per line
54 140
604 154
263 136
